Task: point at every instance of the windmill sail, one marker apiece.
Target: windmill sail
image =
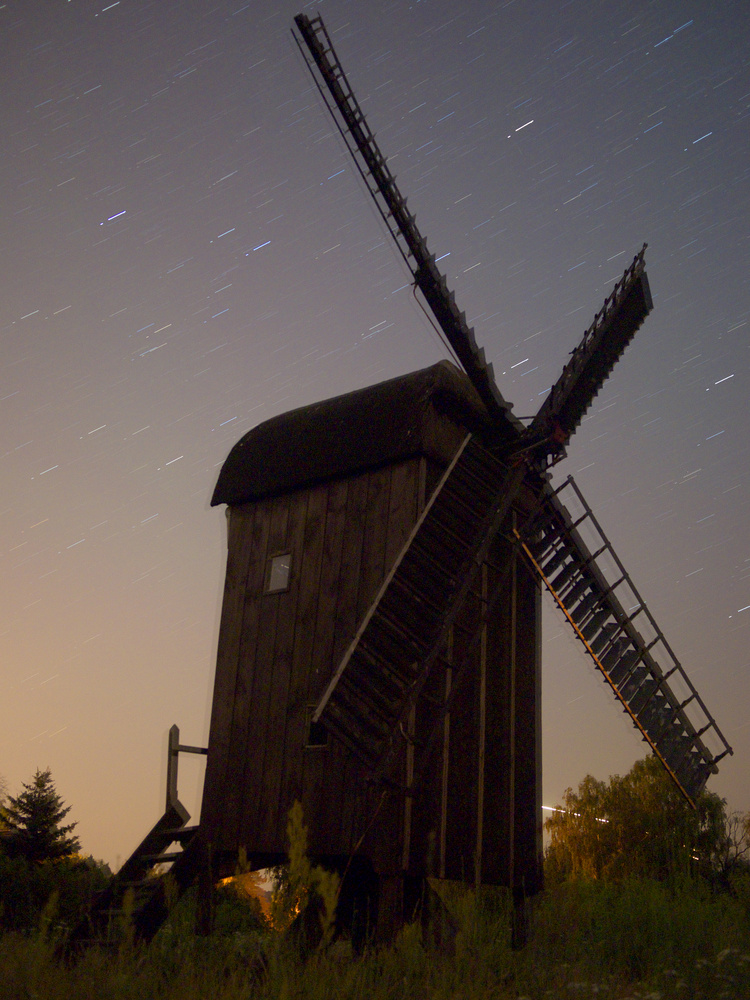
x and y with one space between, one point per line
603 343
592 589
381 184
592 361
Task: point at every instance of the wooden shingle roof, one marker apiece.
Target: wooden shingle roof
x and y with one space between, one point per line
360 430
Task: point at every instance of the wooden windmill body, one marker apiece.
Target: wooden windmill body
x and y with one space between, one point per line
331 493
379 651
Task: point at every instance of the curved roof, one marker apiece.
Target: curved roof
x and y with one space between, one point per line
361 430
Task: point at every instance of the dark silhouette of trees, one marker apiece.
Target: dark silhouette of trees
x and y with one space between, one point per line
41 869
33 822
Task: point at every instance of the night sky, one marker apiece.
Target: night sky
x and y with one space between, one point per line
187 250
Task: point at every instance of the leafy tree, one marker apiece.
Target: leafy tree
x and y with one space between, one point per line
33 819
636 825
64 889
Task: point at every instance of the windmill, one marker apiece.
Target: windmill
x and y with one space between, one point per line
379 648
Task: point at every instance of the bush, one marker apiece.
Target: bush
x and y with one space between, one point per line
637 930
26 888
633 940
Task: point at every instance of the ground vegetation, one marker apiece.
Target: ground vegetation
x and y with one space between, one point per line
663 930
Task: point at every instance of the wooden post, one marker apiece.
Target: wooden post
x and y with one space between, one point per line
204 911
446 757
408 794
512 718
482 730
173 751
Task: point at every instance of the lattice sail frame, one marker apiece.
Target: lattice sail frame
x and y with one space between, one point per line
577 564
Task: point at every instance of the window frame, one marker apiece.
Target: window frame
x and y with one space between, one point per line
271 563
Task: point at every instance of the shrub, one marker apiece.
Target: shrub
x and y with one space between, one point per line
27 886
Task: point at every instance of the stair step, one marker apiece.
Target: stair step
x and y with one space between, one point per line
465 499
609 659
402 586
419 599
364 687
564 576
443 532
693 772
407 637
349 702
164 857
656 717
478 458
554 561
381 656
629 687
668 740
423 567
680 748
339 721
551 529
181 832
471 488
606 637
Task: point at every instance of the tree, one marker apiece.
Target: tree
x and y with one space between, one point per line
732 858
636 825
33 822
65 887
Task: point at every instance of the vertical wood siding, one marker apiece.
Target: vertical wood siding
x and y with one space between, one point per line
278 651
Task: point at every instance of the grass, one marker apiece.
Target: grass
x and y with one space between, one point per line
640 939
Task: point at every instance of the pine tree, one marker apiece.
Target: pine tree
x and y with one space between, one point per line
33 820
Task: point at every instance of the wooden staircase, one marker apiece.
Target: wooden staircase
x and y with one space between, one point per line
404 631
590 586
138 898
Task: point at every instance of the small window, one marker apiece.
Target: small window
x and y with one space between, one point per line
277 573
317 734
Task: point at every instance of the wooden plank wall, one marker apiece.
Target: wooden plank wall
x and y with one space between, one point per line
528 875
277 652
240 555
505 847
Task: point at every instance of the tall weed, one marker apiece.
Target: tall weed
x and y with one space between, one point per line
634 931
637 940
